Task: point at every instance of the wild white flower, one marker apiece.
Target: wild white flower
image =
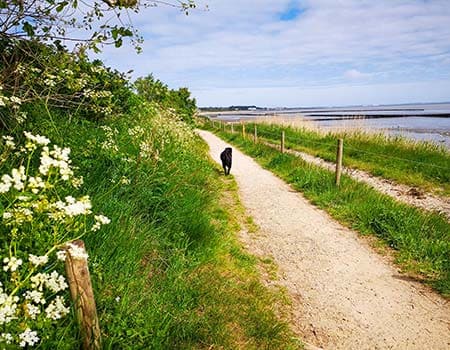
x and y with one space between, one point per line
33 311
125 181
76 252
9 142
61 255
38 139
136 131
56 309
7 215
28 337
7 338
6 183
49 82
77 182
35 184
18 178
20 117
100 220
38 260
81 207
53 281
11 264
8 308
117 299
15 100
58 158
38 281
36 296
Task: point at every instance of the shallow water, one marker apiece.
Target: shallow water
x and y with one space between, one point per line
421 122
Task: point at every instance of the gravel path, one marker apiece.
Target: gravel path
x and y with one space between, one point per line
403 193
345 296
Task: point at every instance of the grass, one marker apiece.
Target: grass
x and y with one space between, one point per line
168 272
419 164
421 240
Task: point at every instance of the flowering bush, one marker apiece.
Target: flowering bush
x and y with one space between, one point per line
35 72
39 218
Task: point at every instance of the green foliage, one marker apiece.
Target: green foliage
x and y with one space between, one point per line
31 72
167 271
153 90
414 163
55 21
421 239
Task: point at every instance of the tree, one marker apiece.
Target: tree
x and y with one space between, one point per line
54 21
154 90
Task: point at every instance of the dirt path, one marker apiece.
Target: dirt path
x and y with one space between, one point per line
345 295
403 193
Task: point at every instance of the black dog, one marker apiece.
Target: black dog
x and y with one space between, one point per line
225 156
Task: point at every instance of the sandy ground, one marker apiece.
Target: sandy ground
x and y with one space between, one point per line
345 295
403 193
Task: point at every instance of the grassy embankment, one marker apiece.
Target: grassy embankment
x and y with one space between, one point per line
168 271
419 164
421 240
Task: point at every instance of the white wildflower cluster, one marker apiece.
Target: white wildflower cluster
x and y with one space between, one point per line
97 94
125 181
137 131
16 180
99 221
32 206
76 252
110 143
28 338
71 207
12 101
38 260
9 142
11 264
28 306
146 149
33 141
57 158
56 309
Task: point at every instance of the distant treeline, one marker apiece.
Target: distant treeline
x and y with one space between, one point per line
231 108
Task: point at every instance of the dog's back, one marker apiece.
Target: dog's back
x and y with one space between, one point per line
226 158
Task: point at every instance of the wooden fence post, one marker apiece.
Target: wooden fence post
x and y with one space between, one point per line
255 135
82 295
232 128
339 153
243 130
282 141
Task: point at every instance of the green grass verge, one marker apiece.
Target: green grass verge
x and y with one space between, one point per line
168 272
421 240
413 163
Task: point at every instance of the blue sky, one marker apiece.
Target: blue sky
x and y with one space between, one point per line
297 53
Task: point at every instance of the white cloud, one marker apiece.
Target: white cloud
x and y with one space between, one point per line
244 44
356 74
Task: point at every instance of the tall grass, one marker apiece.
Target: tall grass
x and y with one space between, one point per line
420 164
168 272
421 240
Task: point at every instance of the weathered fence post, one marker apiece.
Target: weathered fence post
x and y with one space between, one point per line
282 141
243 130
232 128
339 153
82 295
255 135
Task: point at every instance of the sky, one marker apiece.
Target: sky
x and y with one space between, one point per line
291 53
